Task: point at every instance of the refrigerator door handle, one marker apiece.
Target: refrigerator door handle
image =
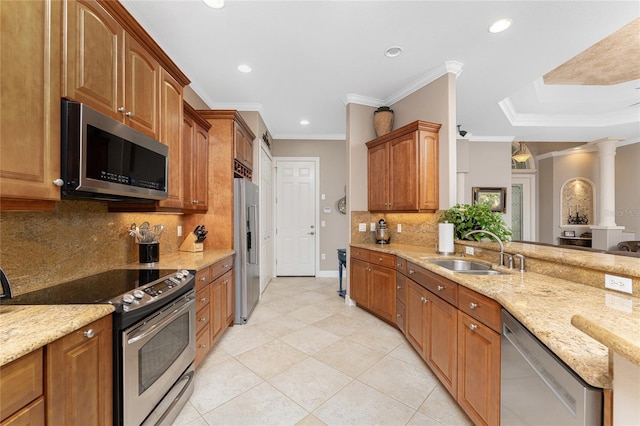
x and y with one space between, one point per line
251 219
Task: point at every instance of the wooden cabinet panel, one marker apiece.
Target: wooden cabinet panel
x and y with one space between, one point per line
378 178
360 253
171 122
382 292
440 286
401 316
203 317
416 312
401 287
141 88
92 67
21 382
442 341
428 169
79 385
359 282
195 151
30 104
382 259
403 174
217 306
230 288
221 266
401 265
203 340
31 415
479 371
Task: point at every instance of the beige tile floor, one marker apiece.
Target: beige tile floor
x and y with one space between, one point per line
306 358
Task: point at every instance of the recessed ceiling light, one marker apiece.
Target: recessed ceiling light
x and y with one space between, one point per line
244 68
304 122
393 51
216 4
500 25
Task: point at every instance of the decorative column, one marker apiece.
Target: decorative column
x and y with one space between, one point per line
606 235
462 168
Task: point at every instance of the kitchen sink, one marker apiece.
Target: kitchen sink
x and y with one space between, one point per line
465 266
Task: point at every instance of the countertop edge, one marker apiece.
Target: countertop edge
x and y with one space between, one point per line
608 337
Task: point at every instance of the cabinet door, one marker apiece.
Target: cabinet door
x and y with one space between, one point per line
401 297
479 371
218 304
378 177
382 292
140 88
243 146
171 123
428 166
403 173
442 341
359 282
229 284
416 312
30 104
195 142
79 376
92 67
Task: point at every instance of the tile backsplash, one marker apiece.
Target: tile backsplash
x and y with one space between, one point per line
420 229
78 238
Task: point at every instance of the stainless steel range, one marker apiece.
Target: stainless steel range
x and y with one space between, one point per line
154 337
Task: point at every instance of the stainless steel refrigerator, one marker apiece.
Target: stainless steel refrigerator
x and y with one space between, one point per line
246 243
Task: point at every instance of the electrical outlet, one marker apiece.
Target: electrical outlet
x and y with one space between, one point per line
399 228
372 226
618 283
362 227
323 256
323 224
469 250
179 230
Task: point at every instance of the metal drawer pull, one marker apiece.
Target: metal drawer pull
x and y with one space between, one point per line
411 272
204 299
399 287
379 259
203 319
473 327
440 288
89 333
473 305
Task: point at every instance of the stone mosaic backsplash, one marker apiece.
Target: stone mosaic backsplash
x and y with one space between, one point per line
419 229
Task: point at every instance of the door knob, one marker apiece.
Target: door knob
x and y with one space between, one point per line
311 233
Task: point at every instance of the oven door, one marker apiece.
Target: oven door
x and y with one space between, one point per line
156 351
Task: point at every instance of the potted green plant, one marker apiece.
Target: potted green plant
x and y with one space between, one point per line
467 218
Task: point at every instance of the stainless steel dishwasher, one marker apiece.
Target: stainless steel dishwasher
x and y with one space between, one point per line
537 388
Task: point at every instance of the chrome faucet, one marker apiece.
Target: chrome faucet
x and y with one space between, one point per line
521 257
478 231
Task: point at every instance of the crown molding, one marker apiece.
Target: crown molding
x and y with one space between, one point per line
508 139
319 137
353 98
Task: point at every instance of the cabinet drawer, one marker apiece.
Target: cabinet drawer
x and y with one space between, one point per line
202 345
21 382
440 286
382 259
203 278
400 315
202 298
360 253
221 266
480 307
203 317
32 415
401 265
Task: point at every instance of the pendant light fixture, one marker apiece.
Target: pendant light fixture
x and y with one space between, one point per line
216 4
522 154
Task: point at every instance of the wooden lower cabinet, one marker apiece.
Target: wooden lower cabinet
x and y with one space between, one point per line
359 282
478 371
401 298
416 307
79 379
214 304
373 284
22 390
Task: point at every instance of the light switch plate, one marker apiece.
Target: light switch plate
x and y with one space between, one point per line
362 227
179 230
372 226
399 228
618 283
469 250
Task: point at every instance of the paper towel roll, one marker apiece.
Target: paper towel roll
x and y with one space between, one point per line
445 238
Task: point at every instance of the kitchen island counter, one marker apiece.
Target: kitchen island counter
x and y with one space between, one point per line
25 328
546 306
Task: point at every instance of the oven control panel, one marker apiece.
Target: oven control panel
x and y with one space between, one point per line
152 292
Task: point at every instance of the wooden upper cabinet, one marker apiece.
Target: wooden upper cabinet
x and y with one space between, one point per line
140 88
403 169
30 104
92 68
171 108
195 142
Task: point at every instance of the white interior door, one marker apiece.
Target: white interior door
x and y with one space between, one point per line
296 218
267 259
523 191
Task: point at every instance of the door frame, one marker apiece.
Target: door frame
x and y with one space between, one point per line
316 161
264 150
527 177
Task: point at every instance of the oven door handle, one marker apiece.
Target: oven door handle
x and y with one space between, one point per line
158 323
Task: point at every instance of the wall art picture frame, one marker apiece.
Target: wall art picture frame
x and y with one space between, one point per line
569 233
495 197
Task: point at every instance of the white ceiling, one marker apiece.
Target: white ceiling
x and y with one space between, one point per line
309 57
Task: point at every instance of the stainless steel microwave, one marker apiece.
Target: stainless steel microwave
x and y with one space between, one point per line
103 159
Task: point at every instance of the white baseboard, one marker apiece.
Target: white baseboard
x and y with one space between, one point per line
329 274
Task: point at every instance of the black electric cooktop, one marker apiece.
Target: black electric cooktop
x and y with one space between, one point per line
97 288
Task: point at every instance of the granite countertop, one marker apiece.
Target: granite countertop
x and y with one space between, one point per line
24 328
549 307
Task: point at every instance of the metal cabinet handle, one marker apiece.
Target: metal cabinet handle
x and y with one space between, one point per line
89 333
311 233
440 288
411 272
399 315
128 114
473 327
202 345
473 305
194 201
379 259
399 287
203 319
203 278
58 182
122 109
204 299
